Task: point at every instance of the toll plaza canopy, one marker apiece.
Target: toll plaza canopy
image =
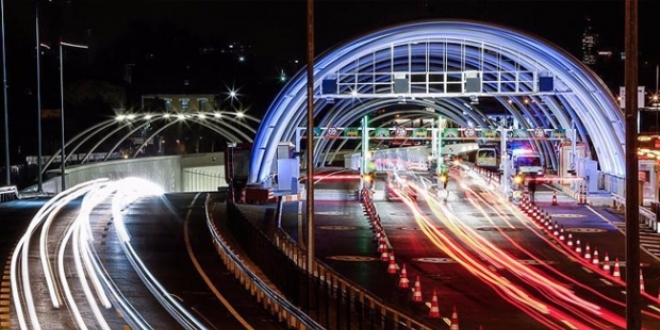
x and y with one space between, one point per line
440 65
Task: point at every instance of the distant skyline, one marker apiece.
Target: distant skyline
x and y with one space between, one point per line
276 30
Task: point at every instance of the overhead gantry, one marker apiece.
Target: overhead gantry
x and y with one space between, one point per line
446 65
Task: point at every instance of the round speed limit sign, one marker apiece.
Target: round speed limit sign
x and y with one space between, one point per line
539 132
470 132
332 131
400 132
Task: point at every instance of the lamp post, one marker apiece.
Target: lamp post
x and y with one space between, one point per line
62 154
38 49
310 136
633 291
4 90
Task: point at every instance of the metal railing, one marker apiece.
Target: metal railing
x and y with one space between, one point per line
330 299
8 193
273 302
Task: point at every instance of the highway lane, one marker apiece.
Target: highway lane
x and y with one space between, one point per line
166 232
15 217
345 242
158 228
476 302
49 286
517 246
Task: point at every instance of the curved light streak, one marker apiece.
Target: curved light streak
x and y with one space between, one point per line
502 214
554 291
23 290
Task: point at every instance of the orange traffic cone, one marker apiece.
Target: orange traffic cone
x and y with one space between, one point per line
404 281
384 256
392 267
641 281
554 197
587 252
617 271
578 247
561 233
381 245
417 291
454 320
434 313
595 260
606 263
570 240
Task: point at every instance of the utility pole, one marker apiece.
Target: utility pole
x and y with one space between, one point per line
38 49
310 136
633 269
4 91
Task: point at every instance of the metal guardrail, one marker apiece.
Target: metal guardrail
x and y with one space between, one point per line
277 305
330 299
355 302
8 193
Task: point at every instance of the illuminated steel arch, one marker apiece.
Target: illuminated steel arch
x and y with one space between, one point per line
233 126
434 61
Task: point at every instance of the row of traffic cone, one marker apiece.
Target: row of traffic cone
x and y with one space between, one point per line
434 311
550 227
387 255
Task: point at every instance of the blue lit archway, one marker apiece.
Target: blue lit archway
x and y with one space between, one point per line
432 61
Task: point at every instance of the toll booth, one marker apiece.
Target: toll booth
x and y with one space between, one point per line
587 169
237 164
568 160
648 178
288 168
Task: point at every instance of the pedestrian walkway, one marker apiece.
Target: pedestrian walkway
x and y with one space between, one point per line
649 240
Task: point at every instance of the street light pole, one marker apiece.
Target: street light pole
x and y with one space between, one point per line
310 136
63 154
4 91
38 49
633 294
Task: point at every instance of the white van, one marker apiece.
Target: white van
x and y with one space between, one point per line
527 163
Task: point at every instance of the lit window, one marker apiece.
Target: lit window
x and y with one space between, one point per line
168 104
185 103
201 104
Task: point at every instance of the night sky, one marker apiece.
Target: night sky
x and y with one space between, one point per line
276 32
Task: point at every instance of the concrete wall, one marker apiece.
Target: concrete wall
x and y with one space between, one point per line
201 160
164 171
206 178
194 172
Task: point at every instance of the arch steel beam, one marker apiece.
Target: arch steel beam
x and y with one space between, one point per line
579 95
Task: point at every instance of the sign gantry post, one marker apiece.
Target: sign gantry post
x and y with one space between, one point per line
442 123
365 149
